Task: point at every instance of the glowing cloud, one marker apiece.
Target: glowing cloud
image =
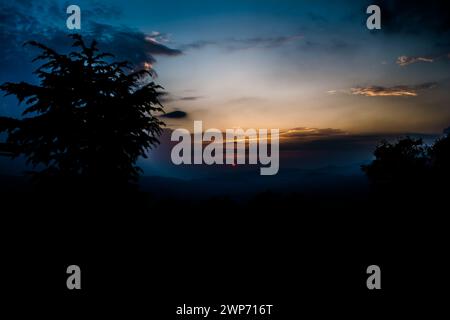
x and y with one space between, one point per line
396 91
405 60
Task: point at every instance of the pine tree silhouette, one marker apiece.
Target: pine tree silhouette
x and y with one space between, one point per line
87 121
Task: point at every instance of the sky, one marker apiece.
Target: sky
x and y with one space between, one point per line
303 66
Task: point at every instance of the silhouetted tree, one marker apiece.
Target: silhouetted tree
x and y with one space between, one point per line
87 120
439 155
397 162
410 165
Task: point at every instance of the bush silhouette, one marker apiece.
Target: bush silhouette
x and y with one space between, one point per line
401 161
440 158
410 164
88 120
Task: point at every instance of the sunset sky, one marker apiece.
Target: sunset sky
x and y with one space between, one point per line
268 64
304 66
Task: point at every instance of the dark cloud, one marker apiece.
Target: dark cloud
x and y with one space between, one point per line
200 44
191 98
101 10
246 99
22 21
129 44
242 44
395 91
331 45
167 97
347 147
263 42
414 16
175 115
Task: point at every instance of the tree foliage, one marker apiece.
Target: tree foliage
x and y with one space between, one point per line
410 163
88 119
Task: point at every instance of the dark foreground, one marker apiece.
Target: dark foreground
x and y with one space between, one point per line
146 255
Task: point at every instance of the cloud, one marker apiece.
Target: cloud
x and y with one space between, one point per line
415 16
265 42
307 133
335 45
200 44
246 100
166 97
175 115
100 11
234 44
46 23
395 91
130 44
405 60
190 98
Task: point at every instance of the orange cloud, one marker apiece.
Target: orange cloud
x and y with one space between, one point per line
396 91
